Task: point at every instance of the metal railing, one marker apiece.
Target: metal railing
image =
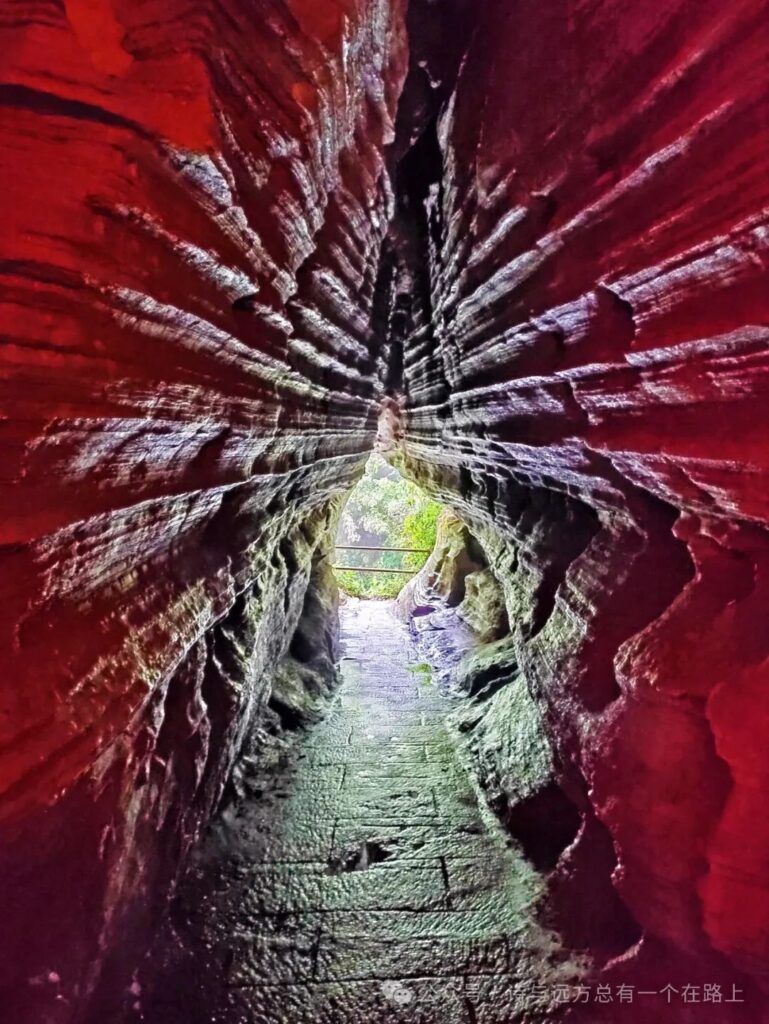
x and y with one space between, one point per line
368 568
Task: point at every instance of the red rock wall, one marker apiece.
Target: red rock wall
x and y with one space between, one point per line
596 391
193 202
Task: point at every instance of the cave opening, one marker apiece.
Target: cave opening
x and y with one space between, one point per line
386 531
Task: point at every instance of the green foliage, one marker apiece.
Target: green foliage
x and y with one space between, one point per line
418 531
423 672
369 584
384 510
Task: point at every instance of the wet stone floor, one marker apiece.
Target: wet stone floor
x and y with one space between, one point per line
373 885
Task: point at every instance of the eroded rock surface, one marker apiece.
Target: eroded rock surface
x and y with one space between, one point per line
194 198
585 383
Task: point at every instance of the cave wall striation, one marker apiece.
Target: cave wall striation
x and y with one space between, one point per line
585 382
194 197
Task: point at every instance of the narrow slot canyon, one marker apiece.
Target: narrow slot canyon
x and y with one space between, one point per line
515 252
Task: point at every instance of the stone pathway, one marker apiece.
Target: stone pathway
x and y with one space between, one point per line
380 890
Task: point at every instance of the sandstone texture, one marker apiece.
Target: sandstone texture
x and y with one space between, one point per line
585 384
194 199
523 248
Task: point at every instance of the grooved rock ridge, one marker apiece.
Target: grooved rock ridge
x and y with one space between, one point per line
585 383
194 199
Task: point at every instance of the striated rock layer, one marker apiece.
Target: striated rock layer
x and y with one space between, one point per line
585 382
194 198
220 252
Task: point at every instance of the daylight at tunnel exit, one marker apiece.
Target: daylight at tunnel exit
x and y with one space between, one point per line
384 511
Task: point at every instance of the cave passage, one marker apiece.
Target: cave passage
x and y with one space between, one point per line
366 882
518 249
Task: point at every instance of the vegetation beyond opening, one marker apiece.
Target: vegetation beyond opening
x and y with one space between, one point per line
383 511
